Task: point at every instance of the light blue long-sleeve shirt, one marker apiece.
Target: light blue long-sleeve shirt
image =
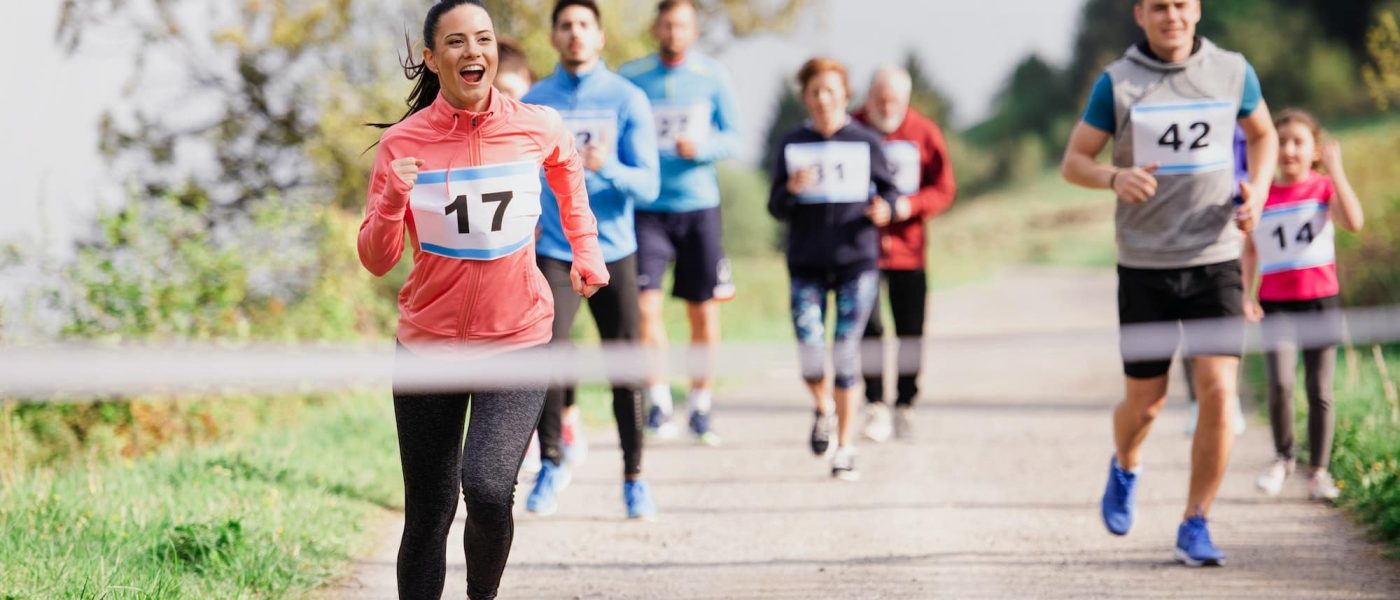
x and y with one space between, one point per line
601 107
696 98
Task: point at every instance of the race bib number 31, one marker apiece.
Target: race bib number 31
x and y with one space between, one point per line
1296 236
1186 137
676 120
477 213
904 162
843 171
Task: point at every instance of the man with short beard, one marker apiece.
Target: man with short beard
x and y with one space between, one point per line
697 125
919 158
611 121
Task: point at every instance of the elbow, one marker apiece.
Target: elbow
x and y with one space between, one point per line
374 264
1067 169
1355 223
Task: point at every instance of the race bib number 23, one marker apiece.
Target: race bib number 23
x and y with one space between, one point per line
477 213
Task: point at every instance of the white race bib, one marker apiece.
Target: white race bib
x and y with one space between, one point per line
676 120
1185 137
1295 236
592 127
904 163
843 171
491 210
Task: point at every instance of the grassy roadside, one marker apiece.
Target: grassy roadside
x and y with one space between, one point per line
272 515
1366 449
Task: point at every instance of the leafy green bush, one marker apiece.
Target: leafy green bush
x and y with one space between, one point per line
160 271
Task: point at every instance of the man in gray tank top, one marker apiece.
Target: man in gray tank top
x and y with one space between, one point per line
1170 106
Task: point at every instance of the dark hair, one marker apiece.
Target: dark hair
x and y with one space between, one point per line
563 4
512 59
426 85
666 6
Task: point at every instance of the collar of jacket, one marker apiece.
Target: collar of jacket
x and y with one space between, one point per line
577 80
455 122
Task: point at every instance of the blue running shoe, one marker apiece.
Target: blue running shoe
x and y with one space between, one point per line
544 497
1117 502
1193 545
700 428
637 495
659 423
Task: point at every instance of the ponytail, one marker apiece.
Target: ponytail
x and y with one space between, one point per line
426 86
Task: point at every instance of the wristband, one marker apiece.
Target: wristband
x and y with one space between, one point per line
1112 178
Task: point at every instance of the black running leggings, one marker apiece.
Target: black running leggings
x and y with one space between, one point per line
436 466
1320 329
908 293
619 319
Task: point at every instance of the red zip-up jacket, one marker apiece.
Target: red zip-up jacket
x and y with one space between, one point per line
902 243
471 217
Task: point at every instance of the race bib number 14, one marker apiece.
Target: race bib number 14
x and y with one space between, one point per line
843 171
1295 236
477 213
1185 137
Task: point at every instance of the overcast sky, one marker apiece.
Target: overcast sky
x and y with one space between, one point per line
55 178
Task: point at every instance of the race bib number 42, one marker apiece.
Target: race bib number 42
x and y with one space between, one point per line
1184 137
674 121
1296 236
904 162
477 213
843 171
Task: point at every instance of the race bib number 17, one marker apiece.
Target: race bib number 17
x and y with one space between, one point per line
843 171
1184 137
477 213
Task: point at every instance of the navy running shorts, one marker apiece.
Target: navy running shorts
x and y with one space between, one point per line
693 240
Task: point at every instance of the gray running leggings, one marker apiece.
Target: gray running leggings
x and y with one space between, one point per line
1322 326
437 466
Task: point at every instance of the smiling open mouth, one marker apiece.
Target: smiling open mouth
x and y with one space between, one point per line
472 73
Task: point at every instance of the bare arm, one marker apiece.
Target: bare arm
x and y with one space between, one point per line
1262 142
1346 206
1079 167
1249 271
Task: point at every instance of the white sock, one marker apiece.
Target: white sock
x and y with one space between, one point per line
660 396
698 401
1135 470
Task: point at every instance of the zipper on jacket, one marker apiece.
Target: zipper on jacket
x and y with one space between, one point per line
473 147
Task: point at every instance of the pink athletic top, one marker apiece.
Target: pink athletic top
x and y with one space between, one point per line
1297 256
471 218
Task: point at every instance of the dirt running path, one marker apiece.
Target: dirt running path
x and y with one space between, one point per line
996 498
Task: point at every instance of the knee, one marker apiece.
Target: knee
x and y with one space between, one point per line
486 498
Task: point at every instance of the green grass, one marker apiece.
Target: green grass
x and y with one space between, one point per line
276 514
1366 449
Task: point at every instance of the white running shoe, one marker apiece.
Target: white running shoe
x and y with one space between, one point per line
903 422
1238 423
843 464
1237 419
531 464
1321 486
878 422
574 443
1271 480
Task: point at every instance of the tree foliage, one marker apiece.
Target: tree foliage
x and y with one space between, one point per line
1382 76
269 96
